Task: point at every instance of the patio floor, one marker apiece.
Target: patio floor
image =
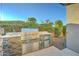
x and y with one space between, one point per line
53 51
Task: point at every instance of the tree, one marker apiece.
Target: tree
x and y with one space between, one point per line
46 26
64 30
32 22
32 19
56 31
58 24
58 27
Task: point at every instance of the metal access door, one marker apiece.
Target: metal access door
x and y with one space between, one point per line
46 43
41 44
35 46
26 48
29 47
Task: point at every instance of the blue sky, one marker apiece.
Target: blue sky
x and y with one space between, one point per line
21 11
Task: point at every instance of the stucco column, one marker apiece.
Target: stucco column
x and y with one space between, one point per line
73 13
72 34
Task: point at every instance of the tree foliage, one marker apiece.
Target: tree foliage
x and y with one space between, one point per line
32 23
32 19
64 30
58 27
46 26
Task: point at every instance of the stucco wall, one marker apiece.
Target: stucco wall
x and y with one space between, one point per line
73 37
73 13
